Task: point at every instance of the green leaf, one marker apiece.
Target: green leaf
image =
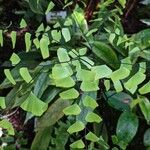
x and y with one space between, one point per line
78 144
5 124
146 139
79 18
87 62
69 94
9 76
50 7
15 59
145 89
134 81
127 127
118 86
72 110
107 84
82 51
90 102
89 86
122 3
36 43
76 127
2 102
91 32
63 55
35 6
92 137
60 72
23 23
56 35
120 74
1 38
40 28
34 105
43 137
85 110
92 117
44 42
53 114
66 34
65 82
41 84
120 101
13 36
105 53
101 71
24 72
145 108
85 75
28 41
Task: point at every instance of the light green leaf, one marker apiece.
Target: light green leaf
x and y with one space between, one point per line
28 41
69 94
145 108
78 144
101 71
92 117
134 81
44 42
63 55
2 102
87 62
25 74
40 28
82 51
60 72
36 43
50 7
15 59
76 127
145 89
90 102
146 139
127 127
1 38
120 74
34 105
5 124
65 82
89 85
118 86
107 84
92 137
56 35
9 76
91 32
112 37
23 23
13 36
122 3
85 75
66 34
72 110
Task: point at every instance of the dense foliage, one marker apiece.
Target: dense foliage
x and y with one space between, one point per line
70 74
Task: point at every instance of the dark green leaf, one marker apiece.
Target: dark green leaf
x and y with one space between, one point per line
120 101
105 53
127 127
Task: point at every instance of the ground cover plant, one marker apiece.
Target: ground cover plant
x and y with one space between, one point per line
79 80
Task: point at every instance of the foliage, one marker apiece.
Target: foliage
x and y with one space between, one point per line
64 66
